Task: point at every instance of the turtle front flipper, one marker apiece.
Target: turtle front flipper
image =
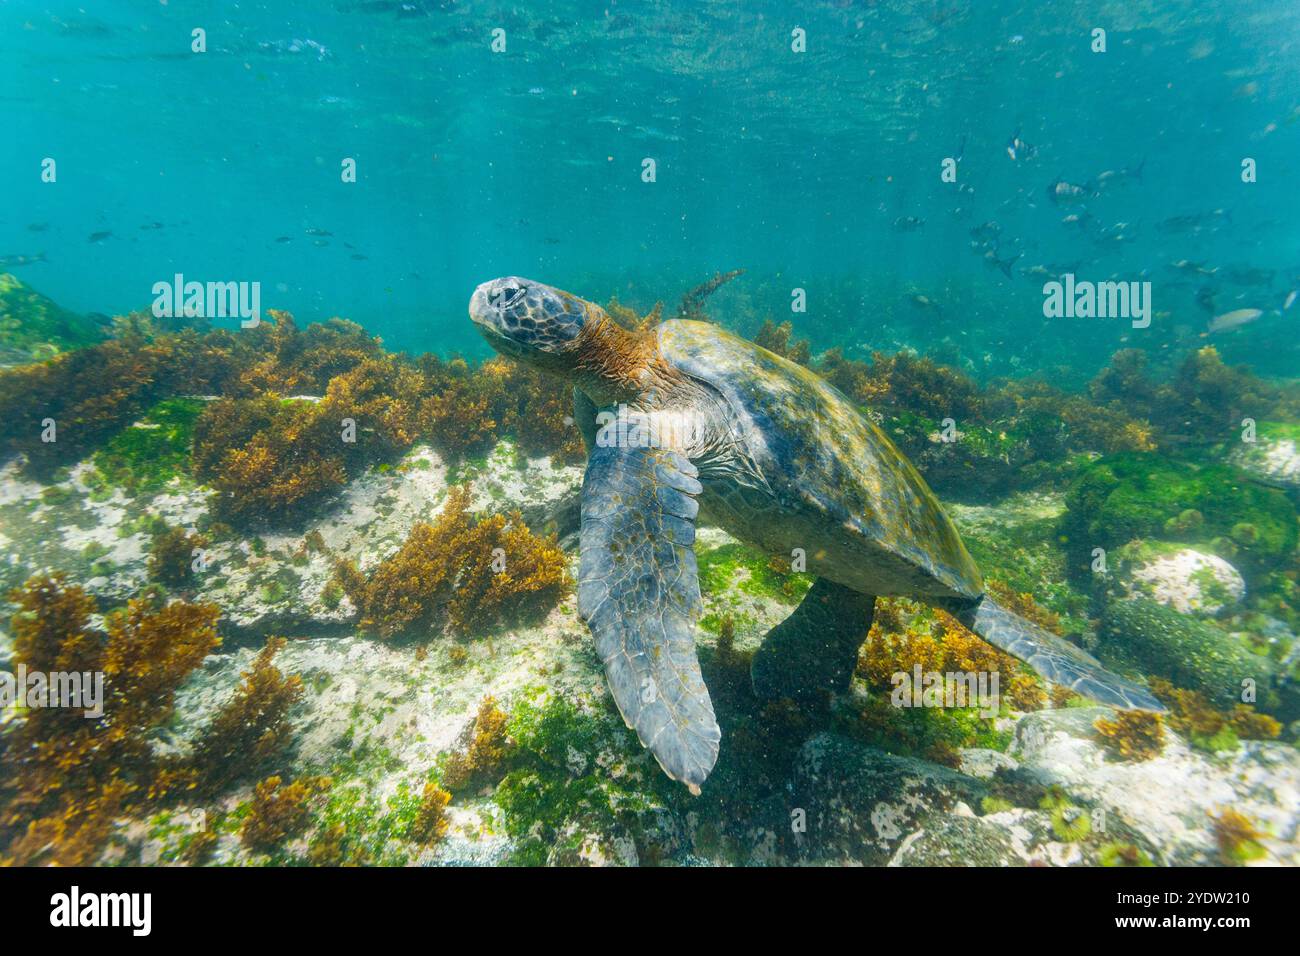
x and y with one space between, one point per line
639 592
1054 657
815 649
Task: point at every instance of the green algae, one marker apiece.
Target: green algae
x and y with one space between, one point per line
736 566
1026 557
574 772
1161 642
34 328
145 457
1128 496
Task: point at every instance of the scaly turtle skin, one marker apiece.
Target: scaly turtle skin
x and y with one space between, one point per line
687 419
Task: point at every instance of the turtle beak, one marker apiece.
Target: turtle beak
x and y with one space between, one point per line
481 309
492 300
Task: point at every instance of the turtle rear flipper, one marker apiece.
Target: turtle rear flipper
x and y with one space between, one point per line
639 592
815 649
1054 657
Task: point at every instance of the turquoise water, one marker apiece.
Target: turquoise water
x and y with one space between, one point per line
795 167
512 637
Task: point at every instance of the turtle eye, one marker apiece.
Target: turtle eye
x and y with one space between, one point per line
503 297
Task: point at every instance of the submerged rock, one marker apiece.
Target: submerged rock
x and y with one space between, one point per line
1171 800
1187 580
1160 641
34 328
1274 456
1124 497
960 841
861 803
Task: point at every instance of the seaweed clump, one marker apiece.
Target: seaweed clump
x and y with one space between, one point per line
1132 734
779 339
58 411
172 555
280 811
1122 497
485 755
480 572
904 636
1237 837
273 460
430 824
74 773
467 409
1208 728
251 730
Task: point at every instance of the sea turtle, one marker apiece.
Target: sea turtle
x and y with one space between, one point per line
686 419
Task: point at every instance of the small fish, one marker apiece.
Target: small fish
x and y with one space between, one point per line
1205 299
1082 220
1119 232
1289 300
284 238
986 231
1234 319
152 225
11 262
1194 222
993 262
1193 268
100 236
1017 148
1068 194
359 257
961 152
924 302
318 232
1049 271
320 243
1113 177
907 223
38 226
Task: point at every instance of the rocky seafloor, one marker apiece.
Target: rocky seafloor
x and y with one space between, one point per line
376 716
514 727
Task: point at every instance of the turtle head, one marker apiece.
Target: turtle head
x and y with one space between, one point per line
532 322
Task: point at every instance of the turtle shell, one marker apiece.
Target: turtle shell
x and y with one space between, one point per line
835 485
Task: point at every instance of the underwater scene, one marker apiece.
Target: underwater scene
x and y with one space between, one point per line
665 433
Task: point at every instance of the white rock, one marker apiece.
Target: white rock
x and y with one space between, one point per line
1274 461
1173 798
1189 581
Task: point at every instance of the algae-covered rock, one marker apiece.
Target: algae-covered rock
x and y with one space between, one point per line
1122 497
959 841
34 328
970 461
1171 800
860 803
1187 580
1273 457
1161 642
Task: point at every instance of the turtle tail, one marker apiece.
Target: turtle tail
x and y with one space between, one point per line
1054 657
